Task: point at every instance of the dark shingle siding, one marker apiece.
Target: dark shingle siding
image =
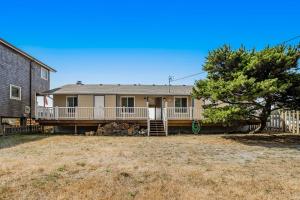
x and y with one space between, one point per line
14 69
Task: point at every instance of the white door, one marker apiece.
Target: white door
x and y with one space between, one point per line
158 113
155 113
99 107
152 113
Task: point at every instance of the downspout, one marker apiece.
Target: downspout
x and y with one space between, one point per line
30 95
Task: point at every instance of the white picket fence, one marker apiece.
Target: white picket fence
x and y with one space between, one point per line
283 121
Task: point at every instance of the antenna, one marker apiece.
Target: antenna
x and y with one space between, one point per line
171 78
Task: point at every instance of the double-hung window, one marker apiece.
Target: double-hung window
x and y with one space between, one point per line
72 102
15 92
127 104
44 73
181 104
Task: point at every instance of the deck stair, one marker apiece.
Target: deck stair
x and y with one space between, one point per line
157 128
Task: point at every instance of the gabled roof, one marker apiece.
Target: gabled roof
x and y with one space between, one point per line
135 89
12 47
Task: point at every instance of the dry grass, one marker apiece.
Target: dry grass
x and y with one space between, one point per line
176 167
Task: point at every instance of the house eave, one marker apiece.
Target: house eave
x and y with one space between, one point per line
19 51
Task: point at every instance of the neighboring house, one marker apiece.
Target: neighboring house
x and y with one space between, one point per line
84 105
22 78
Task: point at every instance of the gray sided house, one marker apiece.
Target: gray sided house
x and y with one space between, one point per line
22 78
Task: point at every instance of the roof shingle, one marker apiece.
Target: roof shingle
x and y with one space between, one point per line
122 89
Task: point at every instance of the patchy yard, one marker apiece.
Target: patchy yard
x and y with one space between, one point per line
175 167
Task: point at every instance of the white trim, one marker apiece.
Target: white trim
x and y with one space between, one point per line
127 104
181 97
187 100
44 69
10 92
72 97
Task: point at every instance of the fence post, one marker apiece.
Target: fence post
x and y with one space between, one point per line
297 121
282 120
293 122
289 120
285 120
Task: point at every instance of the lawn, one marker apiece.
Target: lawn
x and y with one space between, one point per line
175 167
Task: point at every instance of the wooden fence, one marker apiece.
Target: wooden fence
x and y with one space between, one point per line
8 130
282 121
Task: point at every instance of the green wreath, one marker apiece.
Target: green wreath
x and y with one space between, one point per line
196 127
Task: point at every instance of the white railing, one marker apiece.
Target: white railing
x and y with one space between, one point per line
115 113
88 113
183 113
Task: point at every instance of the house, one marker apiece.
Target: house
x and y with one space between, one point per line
157 107
22 78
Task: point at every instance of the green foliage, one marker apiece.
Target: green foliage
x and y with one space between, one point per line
248 84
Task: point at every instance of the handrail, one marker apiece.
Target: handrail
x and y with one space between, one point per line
115 113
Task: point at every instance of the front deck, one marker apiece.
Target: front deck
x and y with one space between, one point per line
92 116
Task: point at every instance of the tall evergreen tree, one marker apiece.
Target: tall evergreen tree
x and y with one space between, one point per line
249 84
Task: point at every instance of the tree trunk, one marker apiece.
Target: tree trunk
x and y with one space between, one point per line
263 118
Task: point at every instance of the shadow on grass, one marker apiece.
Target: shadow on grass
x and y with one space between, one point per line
270 141
14 140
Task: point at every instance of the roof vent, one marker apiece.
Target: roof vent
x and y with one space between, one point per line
79 83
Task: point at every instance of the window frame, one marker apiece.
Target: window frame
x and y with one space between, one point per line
187 104
10 92
73 101
44 69
123 110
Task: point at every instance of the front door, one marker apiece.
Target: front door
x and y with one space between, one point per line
155 110
158 108
99 107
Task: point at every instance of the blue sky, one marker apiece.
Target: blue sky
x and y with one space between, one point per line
140 41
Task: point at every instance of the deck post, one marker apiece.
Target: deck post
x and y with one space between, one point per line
75 128
166 118
148 119
56 113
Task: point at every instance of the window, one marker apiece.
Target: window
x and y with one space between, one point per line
72 102
44 73
128 104
15 92
181 104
